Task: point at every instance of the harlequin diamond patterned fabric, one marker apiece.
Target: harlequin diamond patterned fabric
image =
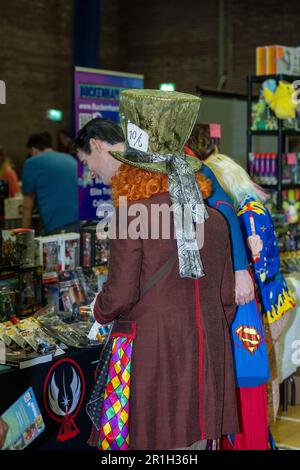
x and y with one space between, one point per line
114 430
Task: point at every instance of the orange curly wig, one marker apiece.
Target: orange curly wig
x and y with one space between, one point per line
137 184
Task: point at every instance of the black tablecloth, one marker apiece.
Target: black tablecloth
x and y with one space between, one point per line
62 389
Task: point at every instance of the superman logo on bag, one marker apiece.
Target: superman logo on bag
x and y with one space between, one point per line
250 338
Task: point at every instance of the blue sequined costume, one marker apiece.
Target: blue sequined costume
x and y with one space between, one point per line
274 295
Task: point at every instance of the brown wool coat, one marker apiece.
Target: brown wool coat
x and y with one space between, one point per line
182 382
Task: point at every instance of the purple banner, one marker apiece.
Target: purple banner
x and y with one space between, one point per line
97 94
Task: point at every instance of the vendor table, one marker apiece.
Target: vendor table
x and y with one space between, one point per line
62 389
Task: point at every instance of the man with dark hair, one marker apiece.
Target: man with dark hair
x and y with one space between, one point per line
94 142
38 142
101 136
50 178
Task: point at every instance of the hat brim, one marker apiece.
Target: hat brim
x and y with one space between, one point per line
155 167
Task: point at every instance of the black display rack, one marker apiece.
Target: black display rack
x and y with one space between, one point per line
280 133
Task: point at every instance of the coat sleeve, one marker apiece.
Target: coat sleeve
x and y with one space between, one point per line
122 288
228 287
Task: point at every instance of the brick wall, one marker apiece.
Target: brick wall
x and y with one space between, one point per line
261 23
168 40
177 41
36 64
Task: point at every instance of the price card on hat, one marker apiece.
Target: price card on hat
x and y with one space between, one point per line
137 138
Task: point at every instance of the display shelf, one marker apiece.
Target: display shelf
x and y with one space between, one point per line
290 186
262 132
274 187
285 132
271 187
262 78
9 268
280 133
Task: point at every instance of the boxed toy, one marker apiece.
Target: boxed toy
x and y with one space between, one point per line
9 287
18 247
282 59
261 60
30 297
51 295
73 291
69 251
276 59
94 247
290 168
47 253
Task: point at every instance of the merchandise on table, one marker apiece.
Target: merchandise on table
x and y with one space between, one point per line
4 336
9 294
51 295
22 359
95 278
26 342
69 251
72 292
58 252
94 247
18 247
99 332
35 337
15 335
73 335
30 298
47 253
86 313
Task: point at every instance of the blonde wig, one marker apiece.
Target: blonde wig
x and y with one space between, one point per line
234 179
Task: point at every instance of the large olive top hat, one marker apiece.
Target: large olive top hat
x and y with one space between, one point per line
156 125
156 122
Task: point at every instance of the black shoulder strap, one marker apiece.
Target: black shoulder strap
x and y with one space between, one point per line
159 274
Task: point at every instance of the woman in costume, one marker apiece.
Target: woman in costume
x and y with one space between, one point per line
263 256
180 377
259 232
275 298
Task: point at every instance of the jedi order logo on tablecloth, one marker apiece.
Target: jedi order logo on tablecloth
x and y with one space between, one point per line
63 395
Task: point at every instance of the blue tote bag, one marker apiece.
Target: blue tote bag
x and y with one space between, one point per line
249 348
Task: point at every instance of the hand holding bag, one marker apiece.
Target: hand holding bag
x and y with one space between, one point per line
249 348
